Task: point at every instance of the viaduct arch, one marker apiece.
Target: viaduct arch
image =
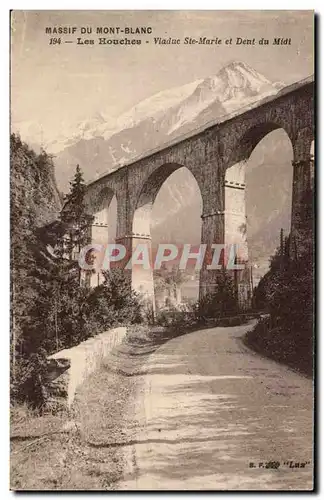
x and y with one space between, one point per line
142 279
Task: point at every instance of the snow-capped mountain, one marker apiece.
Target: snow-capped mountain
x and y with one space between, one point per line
101 144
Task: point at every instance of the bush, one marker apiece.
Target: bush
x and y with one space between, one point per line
232 321
27 380
182 316
287 291
112 303
220 303
276 343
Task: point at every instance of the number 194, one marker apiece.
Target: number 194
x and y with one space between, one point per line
55 41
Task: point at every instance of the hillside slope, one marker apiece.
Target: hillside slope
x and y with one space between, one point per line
34 203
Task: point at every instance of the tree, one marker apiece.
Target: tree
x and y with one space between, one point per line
223 301
113 303
164 277
76 222
56 310
68 291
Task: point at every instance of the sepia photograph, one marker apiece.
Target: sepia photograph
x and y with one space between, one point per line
162 239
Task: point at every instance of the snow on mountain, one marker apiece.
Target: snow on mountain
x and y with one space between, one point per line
101 125
101 144
154 107
234 87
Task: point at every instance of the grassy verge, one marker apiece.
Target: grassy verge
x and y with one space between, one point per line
294 350
32 436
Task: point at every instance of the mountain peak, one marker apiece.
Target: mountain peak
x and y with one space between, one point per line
238 65
239 74
106 143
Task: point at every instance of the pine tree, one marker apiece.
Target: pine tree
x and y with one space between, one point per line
69 291
76 223
113 302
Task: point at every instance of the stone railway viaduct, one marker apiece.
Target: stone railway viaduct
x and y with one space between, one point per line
216 156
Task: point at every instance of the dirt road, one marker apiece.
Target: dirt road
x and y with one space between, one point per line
211 414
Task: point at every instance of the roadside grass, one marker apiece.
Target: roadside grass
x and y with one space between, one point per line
72 451
139 334
33 464
27 423
274 343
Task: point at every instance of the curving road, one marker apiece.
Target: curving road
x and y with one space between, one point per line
208 407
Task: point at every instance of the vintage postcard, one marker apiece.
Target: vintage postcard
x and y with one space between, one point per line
162 250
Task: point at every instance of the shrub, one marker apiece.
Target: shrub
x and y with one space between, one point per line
181 316
220 303
27 381
112 303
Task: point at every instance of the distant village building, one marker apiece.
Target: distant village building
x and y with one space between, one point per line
168 296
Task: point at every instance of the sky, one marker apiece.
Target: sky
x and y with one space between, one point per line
53 87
